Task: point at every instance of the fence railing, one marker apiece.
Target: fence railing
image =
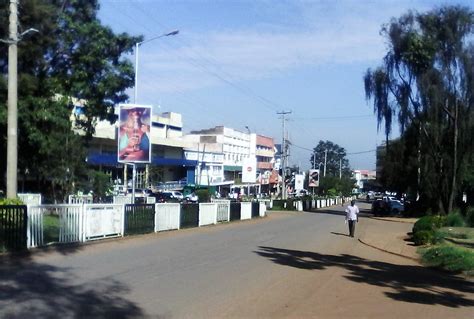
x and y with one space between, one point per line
139 219
39 225
13 228
103 220
167 216
49 224
189 215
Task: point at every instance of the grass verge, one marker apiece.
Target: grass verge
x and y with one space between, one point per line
449 257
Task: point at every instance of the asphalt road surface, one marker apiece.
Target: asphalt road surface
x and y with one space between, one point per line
287 265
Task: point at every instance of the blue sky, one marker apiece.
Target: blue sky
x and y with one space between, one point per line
238 63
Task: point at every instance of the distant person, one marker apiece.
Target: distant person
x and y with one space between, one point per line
352 216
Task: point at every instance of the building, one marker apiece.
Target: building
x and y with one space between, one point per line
363 176
265 155
237 148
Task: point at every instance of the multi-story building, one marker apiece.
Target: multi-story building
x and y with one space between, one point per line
265 154
362 176
236 147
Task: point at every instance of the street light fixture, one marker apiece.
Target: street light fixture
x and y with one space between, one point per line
12 99
137 45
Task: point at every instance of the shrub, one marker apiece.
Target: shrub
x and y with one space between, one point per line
449 257
470 217
454 219
423 237
429 223
11 201
203 195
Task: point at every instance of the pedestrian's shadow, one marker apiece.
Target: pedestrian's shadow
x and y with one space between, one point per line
340 234
415 284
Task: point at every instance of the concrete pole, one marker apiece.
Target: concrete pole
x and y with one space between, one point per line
325 161
283 153
12 144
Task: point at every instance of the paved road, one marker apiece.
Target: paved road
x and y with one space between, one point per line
298 265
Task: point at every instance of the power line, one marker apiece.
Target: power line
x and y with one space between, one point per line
211 61
353 153
333 117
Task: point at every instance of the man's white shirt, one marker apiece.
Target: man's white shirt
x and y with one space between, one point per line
351 212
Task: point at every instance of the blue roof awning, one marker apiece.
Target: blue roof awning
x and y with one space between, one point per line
111 160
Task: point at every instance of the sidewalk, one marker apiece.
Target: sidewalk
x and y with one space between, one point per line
389 235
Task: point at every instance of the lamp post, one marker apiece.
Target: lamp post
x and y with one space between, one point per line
137 45
12 130
135 95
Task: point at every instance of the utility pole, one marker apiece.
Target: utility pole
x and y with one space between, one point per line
325 160
12 144
340 168
283 153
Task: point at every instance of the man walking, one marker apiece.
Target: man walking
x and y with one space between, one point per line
352 216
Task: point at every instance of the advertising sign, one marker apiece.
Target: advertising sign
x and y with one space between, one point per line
249 170
133 144
313 178
299 182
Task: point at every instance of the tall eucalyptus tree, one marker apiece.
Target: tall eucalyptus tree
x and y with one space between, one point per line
426 80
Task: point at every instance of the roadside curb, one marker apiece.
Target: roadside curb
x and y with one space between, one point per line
392 220
388 251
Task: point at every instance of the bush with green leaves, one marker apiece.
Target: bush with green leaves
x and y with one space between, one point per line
11 201
429 223
423 237
203 195
454 219
449 257
470 217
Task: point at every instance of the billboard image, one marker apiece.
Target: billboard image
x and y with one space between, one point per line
313 178
299 182
134 145
249 170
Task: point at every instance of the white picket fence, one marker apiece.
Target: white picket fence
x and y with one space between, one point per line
223 210
71 223
167 216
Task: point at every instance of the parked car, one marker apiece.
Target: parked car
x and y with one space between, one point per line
385 207
192 198
396 207
175 195
163 197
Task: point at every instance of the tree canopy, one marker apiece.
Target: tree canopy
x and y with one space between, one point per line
426 82
73 58
336 155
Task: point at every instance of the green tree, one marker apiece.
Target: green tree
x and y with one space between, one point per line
335 159
426 81
72 60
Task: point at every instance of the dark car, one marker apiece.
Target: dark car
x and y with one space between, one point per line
163 197
380 207
386 207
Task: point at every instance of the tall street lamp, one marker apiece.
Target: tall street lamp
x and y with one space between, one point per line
12 121
137 45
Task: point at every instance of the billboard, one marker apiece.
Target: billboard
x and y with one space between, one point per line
313 178
133 143
299 182
249 170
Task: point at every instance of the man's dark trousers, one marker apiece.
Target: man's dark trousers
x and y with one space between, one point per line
351 227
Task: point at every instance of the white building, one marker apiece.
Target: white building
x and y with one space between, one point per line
236 147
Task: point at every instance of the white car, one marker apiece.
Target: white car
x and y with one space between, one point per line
175 195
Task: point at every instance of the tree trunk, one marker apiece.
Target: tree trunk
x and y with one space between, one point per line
452 192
